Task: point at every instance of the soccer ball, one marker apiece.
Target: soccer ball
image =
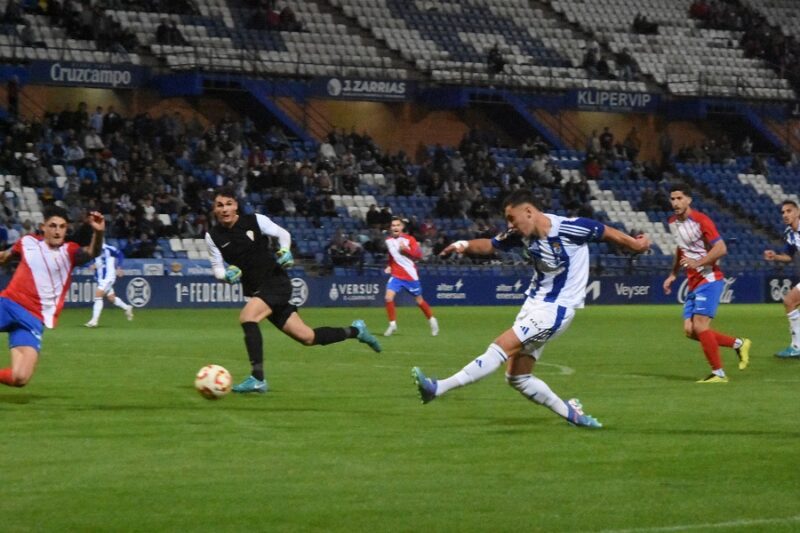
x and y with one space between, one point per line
213 381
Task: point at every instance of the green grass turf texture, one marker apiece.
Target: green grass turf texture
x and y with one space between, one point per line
111 436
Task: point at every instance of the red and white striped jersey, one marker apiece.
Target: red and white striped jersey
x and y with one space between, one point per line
402 265
42 278
695 236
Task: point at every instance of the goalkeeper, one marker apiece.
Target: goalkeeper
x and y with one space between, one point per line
242 242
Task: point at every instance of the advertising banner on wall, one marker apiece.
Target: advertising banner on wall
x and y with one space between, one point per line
105 75
158 291
358 89
613 101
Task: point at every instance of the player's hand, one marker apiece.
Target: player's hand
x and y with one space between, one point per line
387 270
285 258
769 255
458 247
97 221
689 263
642 243
668 284
233 274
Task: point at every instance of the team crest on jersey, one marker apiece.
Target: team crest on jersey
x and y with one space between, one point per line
250 235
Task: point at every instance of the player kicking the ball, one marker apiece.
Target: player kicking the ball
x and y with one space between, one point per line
242 241
559 250
403 250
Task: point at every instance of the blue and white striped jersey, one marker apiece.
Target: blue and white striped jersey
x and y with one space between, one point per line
792 239
561 260
106 264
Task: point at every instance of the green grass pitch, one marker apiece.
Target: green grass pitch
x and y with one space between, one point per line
111 436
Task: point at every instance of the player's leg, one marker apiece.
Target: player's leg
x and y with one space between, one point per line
790 303
97 308
428 312
295 328
23 365
119 302
251 314
706 302
391 311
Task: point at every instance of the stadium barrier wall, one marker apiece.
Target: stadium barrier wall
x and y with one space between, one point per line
148 291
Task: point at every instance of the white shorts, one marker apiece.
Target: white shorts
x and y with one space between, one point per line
107 285
539 322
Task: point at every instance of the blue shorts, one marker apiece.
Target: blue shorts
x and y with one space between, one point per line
704 300
411 286
23 328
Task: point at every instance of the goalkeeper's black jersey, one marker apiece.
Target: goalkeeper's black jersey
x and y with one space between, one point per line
245 246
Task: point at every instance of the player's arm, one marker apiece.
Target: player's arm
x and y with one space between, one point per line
718 250
217 263
637 245
673 273
268 227
413 250
474 246
6 255
785 256
98 223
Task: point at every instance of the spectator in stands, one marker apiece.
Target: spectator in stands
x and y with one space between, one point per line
342 251
700 10
607 141
13 13
665 146
495 63
642 25
625 65
92 141
112 121
590 58
632 144
10 201
593 144
12 234
592 168
29 35
747 146
287 20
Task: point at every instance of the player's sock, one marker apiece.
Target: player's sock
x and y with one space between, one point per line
482 366
327 335
255 348
726 340
6 377
794 327
537 391
391 312
737 343
426 309
97 308
122 305
710 348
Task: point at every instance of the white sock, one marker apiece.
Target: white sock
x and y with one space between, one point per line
97 308
482 366
537 391
119 303
738 343
794 327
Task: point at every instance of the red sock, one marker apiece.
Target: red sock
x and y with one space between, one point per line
708 340
390 310
724 340
426 309
5 377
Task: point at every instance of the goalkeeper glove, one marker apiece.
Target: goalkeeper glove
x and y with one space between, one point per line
232 274
285 258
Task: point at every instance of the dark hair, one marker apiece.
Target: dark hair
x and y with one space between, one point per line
790 202
55 211
401 219
681 187
227 191
519 197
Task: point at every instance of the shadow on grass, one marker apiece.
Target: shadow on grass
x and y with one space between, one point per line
21 399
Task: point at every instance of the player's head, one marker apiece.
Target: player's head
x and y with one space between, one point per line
55 224
790 212
397 226
680 196
226 208
521 212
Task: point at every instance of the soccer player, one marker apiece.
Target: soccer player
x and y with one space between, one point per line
105 272
403 251
559 251
699 249
35 295
242 241
791 217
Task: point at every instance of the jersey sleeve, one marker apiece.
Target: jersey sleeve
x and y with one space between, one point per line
74 251
709 230
268 227
582 230
507 240
215 256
